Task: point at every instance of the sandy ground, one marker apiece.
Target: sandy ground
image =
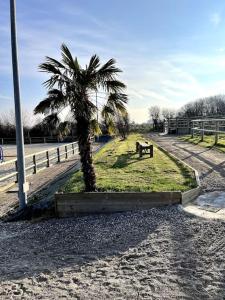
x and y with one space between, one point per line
156 254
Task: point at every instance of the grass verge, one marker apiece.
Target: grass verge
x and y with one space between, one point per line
119 168
209 141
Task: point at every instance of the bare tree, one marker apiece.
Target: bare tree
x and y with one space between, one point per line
168 113
154 114
123 125
209 106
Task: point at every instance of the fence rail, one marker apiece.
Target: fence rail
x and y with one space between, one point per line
37 140
36 162
177 125
211 126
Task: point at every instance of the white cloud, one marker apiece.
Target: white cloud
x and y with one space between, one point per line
215 19
5 98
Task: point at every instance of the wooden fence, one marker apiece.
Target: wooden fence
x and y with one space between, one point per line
208 126
177 125
36 162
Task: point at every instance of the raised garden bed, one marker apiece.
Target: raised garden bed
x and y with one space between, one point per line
127 182
70 204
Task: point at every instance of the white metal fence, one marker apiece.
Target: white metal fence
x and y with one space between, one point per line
37 140
36 162
208 126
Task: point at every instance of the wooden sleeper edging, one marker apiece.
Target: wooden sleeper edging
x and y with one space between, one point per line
71 204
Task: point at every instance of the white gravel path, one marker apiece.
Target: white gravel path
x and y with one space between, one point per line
157 254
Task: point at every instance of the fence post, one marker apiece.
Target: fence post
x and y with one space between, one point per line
58 155
16 167
202 132
48 162
66 152
217 129
44 140
192 129
73 148
35 164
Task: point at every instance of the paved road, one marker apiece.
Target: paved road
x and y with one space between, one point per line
209 163
10 150
39 150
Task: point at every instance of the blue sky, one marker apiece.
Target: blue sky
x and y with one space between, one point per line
171 51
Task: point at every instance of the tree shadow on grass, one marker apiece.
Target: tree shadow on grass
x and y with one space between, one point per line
127 159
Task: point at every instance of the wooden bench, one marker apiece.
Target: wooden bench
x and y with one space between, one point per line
143 147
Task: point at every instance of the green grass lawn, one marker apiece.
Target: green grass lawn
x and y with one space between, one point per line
119 168
209 141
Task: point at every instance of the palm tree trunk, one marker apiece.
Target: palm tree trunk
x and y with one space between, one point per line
84 142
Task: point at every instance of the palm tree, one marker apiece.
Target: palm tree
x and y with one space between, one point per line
71 85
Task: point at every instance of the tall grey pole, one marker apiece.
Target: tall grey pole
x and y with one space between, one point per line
19 126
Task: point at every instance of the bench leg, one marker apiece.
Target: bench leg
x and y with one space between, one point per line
151 151
137 146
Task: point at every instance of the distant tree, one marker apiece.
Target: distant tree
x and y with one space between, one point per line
168 113
154 114
209 106
123 125
7 121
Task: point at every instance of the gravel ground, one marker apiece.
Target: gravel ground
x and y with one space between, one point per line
209 163
155 254
161 253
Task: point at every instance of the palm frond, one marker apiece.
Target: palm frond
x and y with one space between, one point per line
70 84
117 101
111 126
51 120
64 128
54 101
68 59
54 62
107 112
95 127
115 86
116 97
94 63
108 71
49 68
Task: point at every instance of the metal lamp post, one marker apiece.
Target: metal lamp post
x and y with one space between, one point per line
18 114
